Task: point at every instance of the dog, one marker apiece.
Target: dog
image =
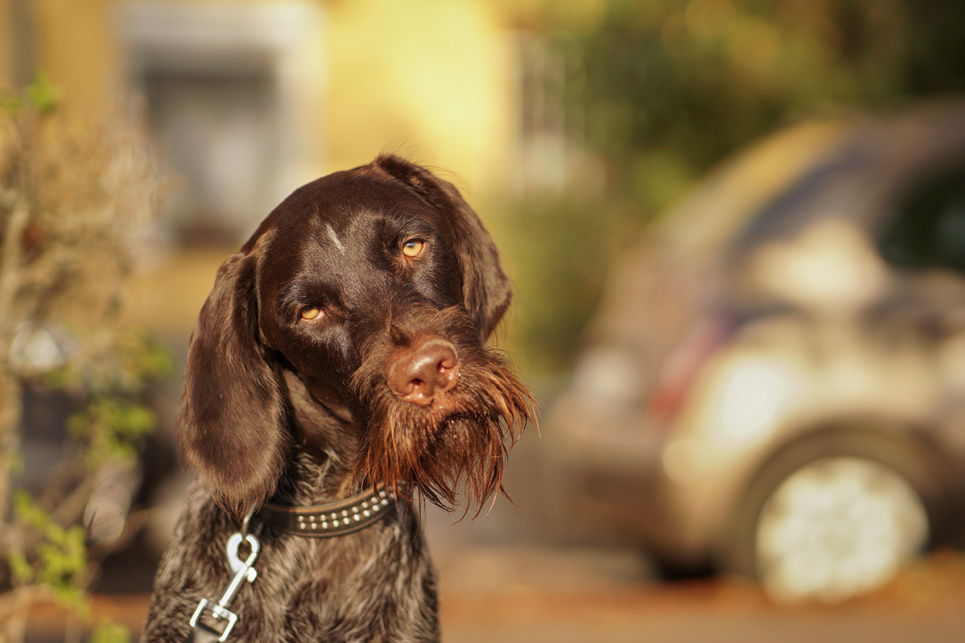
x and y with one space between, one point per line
337 379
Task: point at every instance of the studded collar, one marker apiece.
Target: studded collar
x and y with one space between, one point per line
334 519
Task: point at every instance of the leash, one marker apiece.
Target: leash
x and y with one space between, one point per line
243 571
325 521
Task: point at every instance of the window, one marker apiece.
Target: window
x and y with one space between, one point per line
233 92
548 125
928 227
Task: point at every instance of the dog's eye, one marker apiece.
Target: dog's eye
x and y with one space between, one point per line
413 248
312 313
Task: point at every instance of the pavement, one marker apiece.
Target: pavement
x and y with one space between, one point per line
497 585
513 574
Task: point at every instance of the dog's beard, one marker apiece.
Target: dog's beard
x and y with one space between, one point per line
444 451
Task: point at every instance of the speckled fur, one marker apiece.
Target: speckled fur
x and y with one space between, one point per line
299 413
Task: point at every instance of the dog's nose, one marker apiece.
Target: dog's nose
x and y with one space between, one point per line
420 373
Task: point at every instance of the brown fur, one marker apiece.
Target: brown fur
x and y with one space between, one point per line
300 413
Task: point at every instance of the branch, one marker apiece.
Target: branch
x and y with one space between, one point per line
11 257
15 607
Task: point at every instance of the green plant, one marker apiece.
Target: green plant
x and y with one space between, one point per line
72 196
669 88
556 252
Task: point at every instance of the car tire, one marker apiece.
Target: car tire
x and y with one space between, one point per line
833 518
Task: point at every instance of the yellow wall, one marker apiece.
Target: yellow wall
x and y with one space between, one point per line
79 48
426 78
431 79
5 62
74 45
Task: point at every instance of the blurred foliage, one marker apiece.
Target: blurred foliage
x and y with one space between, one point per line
665 89
671 86
557 257
109 633
73 196
112 422
60 559
40 97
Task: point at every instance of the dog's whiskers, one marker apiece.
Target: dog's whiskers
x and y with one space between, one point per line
387 382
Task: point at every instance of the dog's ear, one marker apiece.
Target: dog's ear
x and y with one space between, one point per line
487 292
232 417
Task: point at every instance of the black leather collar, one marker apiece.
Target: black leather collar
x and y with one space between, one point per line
335 519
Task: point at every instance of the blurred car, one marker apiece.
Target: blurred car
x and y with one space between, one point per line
774 384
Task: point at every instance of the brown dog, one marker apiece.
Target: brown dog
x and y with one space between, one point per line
338 368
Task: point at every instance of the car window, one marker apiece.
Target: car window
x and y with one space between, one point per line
706 221
786 213
927 229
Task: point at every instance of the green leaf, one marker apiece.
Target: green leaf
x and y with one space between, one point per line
114 428
110 633
61 557
21 570
43 96
28 512
63 562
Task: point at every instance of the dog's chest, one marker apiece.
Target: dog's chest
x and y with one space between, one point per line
338 589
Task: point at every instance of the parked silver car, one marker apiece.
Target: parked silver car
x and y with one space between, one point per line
775 382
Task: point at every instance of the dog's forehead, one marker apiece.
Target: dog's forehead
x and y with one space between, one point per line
330 225
346 203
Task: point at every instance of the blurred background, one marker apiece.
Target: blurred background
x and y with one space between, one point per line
737 234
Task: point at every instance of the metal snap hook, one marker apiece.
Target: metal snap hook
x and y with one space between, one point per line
244 523
237 565
243 571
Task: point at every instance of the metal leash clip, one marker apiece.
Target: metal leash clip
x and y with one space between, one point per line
243 571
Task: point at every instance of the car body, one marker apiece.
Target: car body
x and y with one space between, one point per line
774 383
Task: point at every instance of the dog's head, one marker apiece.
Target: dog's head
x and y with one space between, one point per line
376 288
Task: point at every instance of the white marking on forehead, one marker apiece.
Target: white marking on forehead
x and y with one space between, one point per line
334 238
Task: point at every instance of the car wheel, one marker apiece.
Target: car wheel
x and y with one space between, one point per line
836 528
836 513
